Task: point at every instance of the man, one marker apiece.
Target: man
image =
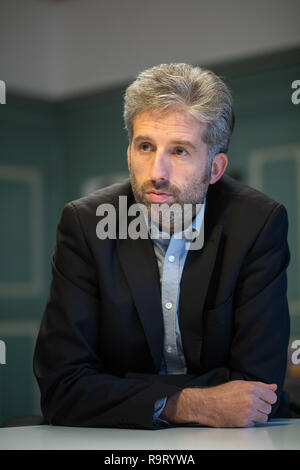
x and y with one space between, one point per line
143 332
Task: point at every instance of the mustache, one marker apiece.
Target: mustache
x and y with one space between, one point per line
160 186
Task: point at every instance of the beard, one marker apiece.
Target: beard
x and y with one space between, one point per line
185 198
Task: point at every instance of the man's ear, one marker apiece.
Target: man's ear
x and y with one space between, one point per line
219 165
128 157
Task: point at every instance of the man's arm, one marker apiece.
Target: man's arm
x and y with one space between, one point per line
259 344
76 390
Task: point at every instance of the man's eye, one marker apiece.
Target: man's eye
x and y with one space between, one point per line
180 152
145 147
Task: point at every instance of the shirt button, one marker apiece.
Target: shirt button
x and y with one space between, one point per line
168 305
171 259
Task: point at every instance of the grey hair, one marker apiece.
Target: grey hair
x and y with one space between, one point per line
198 91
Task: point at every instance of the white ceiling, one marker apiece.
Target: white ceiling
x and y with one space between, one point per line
60 48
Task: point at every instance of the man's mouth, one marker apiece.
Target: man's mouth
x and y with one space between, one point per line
158 196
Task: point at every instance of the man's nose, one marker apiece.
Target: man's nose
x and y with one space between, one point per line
160 169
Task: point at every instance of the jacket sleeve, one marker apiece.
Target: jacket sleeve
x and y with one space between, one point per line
75 388
261 312
261 322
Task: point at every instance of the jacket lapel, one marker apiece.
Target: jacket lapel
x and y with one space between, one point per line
197 273
139 264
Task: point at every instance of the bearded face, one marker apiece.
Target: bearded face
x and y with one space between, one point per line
168 163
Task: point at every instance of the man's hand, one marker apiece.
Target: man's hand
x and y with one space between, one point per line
238 403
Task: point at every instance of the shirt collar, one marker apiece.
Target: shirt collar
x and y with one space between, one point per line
194 228
188 235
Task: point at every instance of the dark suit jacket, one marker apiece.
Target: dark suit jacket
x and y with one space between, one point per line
100 344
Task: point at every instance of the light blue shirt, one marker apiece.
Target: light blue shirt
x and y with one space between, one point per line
171 255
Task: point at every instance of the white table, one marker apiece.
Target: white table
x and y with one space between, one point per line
276 434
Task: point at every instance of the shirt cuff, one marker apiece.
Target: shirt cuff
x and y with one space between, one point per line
158 408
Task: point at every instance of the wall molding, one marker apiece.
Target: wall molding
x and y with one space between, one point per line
32 177
24 328
263 155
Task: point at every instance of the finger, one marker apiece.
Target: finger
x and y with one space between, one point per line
265 392
268 386
271 387
249 424
262 406
259 417
267 395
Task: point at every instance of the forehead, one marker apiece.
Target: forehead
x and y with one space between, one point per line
168 124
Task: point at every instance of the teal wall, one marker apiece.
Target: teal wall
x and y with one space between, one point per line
49 150
94 138
31 196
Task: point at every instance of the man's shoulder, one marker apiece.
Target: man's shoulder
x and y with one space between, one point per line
234 201
234 191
